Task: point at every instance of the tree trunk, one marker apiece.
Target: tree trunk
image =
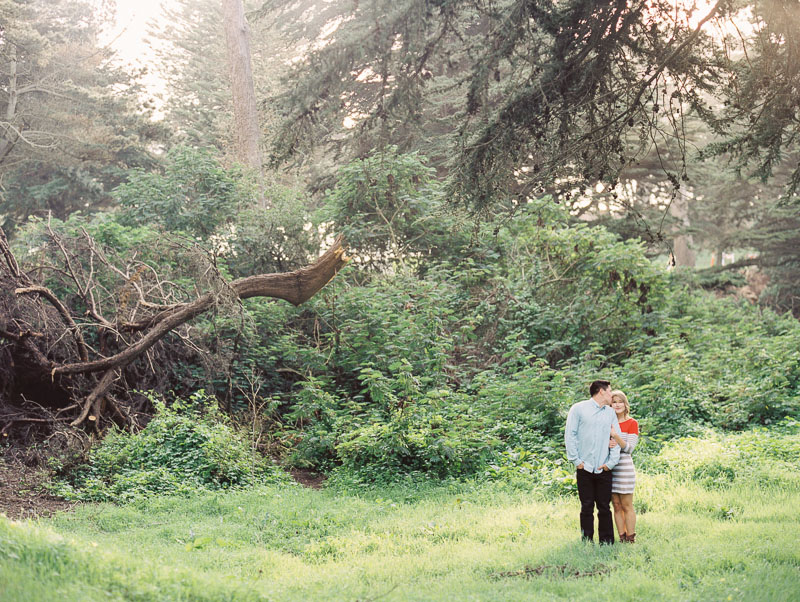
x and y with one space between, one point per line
245 111
682 242
8 139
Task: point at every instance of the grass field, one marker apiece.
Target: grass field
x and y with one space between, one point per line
461 542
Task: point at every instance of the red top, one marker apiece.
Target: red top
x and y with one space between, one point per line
629 426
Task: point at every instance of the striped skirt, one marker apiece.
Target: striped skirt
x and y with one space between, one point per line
623 475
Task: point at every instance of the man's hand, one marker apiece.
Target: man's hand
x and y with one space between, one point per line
580 466
606 468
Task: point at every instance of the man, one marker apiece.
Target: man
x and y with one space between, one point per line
587 435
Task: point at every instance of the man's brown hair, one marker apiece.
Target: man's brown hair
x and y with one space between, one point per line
597 386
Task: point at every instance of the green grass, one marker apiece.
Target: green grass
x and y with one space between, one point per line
453 543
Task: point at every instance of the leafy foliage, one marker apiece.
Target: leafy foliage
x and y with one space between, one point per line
550 93
449 355
761 456
186 447
474 360
389 208
195 193
717 363
447 362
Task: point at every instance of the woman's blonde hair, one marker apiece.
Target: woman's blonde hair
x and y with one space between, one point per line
624 399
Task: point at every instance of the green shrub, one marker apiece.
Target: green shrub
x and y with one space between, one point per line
759 457
391 319
573 287
513 332
396 428
436 434
389 206
535 470
717 363
186 447
433 352
193 193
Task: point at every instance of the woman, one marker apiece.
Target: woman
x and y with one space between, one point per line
624 474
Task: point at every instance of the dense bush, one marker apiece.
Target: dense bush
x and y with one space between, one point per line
464 365
193 193
573 288
389 208
186 447
715 362
398 425
535 470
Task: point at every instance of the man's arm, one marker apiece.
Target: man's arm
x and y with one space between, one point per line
571 437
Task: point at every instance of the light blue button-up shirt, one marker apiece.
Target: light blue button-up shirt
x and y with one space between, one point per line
587 434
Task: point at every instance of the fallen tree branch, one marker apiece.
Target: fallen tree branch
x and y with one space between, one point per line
77 380
94 398
295 287
63 312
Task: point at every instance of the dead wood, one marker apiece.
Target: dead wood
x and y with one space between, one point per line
50 355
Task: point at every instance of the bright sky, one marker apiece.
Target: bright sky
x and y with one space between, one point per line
131 27
129 34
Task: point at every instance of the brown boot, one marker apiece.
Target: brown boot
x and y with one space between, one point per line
623 537
631 538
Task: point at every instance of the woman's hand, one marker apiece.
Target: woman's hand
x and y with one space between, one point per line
612 444
616 438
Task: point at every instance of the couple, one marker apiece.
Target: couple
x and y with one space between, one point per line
600 437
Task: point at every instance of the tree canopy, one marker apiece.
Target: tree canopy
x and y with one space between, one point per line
549 92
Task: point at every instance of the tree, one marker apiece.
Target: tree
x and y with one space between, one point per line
553 92
198 100
777 242
362 86
760 124
550 97
71 122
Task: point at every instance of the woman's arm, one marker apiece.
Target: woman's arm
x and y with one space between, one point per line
618 438
633 439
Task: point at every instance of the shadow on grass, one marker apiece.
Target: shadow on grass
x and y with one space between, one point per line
575 560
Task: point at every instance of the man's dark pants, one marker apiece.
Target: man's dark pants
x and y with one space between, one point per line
595 489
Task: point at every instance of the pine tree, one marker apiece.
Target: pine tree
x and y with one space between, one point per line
198 99
72 123
542 92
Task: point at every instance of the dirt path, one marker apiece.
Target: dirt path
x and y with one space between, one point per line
307 477
21 492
